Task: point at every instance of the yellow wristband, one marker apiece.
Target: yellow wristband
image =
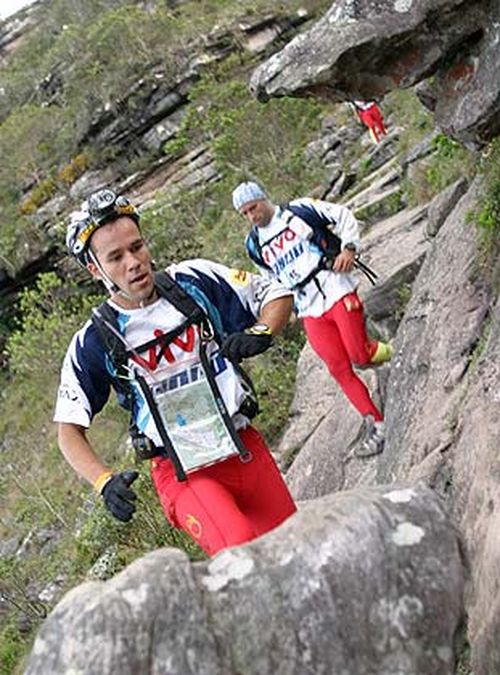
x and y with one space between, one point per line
101 480
259 329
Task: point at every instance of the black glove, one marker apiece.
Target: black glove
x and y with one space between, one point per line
252 341
118 496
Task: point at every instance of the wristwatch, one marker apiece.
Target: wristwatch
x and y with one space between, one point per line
259 329
350 247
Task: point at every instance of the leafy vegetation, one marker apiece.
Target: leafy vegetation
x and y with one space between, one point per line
402 104
446 161
449 162
488 216
248 141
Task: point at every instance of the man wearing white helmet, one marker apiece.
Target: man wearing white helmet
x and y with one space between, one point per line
310 246
170 344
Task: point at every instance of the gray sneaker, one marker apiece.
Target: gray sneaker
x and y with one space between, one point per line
371 438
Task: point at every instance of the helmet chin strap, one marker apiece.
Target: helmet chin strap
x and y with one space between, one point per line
111 287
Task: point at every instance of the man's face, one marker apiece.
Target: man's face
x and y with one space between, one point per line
124 257
258 212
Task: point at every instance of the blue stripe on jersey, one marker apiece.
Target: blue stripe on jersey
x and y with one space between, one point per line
310 215
90 353
223 305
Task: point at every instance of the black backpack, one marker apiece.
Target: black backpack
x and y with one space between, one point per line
105 321
329 243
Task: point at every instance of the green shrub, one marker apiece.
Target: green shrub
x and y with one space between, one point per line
40 194
101 534
249 139
409 116
486 215
31 139
448 162
11 647
49 314
273 375
69 173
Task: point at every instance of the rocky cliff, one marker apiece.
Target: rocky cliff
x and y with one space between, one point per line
364 49
440 393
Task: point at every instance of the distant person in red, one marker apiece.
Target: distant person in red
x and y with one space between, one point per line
369 113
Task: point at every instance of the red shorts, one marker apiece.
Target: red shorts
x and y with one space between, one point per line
228 503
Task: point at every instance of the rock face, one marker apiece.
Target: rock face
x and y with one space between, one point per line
14 29
436 340
440 396
361 583
448 418
467 90
364 49
476 498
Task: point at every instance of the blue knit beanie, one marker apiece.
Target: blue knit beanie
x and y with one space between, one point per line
247 192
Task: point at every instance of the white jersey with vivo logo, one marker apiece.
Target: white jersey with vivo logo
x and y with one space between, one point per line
232 299
288 251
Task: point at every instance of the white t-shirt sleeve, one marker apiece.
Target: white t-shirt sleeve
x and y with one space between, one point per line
85 382
346 226
237 296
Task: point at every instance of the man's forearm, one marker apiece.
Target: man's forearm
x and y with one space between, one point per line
276 313
78 452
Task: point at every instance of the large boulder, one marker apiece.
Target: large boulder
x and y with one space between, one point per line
368 582
465 92
365 49
436 340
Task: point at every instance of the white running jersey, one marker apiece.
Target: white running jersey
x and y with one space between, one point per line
290 255
232 299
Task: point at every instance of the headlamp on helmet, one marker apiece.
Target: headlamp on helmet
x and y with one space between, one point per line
100 208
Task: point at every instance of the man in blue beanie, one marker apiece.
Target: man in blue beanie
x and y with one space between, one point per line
310 246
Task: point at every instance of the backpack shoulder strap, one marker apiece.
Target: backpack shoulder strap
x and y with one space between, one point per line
254 249
320 224
106 323
253 245
178 297
105 319
327 240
